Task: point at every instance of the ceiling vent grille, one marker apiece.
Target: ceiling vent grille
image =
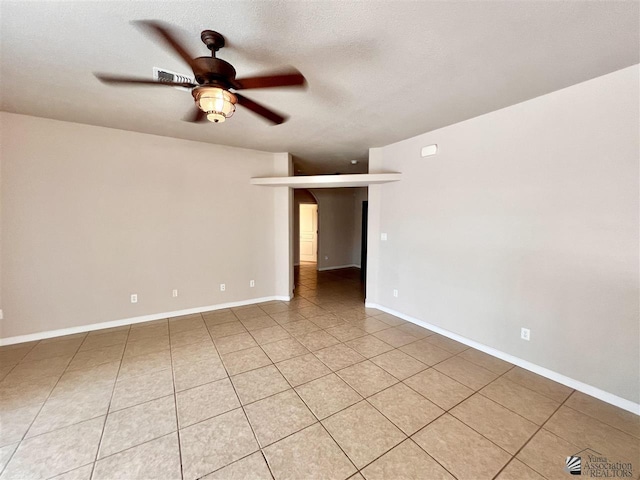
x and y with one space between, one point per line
164 75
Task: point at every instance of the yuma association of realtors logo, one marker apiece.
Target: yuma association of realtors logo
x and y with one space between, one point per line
574 465
594 464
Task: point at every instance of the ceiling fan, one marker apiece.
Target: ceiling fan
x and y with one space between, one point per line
215 79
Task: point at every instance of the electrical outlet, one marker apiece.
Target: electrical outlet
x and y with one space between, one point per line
1 315
223 287
326 257
383 237
525 334
174 293
134 298
252 283
395 293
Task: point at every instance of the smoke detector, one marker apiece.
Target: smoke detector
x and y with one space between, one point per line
429 150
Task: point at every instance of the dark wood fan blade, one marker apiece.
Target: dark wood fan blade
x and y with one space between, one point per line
290 78
163 32
196 116
115 79
260 110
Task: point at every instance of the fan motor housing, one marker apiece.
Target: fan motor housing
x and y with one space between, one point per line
214 70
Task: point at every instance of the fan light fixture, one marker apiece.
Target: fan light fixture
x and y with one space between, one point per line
213 78
217 103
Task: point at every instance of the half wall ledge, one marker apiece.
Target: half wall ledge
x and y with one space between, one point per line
328 181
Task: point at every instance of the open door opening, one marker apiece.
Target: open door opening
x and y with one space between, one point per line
306 238
329 239
308 233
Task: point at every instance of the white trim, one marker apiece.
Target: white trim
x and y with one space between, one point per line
620 402
130 321
338 267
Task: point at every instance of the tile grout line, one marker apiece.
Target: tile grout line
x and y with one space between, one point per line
407 437
535 391
75 423
363 399
395 384
264 459
235 461
399 381
175 397
20 441
531 437
18 363
95 461
478 391
299 430
504 406
255 437
241 406
315 416
446 411
99 415
597 419
133 446
7 374
41 406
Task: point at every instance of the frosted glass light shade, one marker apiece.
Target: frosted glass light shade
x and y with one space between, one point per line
217 103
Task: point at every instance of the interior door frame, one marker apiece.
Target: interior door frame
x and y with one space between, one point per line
316 233
295 235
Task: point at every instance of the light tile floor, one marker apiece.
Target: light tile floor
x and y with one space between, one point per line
319 387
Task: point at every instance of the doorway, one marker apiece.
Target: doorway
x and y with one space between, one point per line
326 238
308 232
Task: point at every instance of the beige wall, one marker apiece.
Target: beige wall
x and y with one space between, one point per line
336 226
91 215
527 217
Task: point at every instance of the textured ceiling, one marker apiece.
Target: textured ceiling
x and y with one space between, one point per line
378 72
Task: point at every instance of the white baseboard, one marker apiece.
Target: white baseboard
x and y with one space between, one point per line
338 267
130 321
607 397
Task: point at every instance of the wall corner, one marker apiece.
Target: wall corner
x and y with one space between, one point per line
373 227
283 227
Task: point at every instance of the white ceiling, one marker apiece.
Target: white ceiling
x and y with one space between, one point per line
378 72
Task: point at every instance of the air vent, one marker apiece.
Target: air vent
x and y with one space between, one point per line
164 75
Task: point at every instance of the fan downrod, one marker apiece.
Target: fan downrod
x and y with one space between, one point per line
213 40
